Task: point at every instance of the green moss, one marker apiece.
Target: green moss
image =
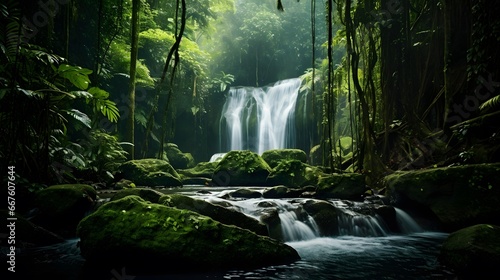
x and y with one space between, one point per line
293 173
244 168
342 186
135 233
63 206
146 194
472 250
273 157
202 169
459 196
150 172
59 199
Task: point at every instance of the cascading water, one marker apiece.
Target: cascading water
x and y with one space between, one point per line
259 119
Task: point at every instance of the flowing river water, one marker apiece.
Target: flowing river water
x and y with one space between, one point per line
363 249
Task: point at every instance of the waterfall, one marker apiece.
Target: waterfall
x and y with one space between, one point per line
406 222
259 118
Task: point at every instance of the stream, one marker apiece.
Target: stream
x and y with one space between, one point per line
364 249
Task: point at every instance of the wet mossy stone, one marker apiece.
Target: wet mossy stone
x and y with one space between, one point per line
61 207
325 215
273 157
177 158
202 169
216 212
123 184
144 193
472 251
293 173
241 168
150 172
458 196
148 237
350 186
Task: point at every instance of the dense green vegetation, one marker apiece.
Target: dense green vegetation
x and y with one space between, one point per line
394 85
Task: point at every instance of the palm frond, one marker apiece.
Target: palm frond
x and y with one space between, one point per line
79 116
491 103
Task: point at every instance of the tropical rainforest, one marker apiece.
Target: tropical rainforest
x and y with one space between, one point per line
86 85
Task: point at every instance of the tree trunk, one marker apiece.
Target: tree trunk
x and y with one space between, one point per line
133 65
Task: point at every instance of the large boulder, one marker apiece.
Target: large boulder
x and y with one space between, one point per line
350 186
325 215
144 193
458 196
148 237
472 251
61 207
241 168
216 212
294 174
177 158
202 169
273 157
150 172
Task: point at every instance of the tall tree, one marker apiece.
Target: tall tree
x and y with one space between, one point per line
133 64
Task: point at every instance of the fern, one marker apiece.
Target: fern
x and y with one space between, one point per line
491 103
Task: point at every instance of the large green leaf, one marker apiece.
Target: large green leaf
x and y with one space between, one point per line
79 116
77 75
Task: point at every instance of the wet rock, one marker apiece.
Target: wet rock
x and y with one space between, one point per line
241 168
270 217
342 186
144 193
274 157
245 193
150 172
201 170
457 196
177 158
216 212
148 238
277 192
472 251
61 207
294 174
123 184
325 215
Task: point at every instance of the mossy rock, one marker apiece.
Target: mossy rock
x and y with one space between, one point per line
28 234
458 196
245 193
273 157
241 168
216 212
472 251
148 238
293 173
350 186
61 207
146 194
123 184
277 192
325 215
177 158
201 170
150 172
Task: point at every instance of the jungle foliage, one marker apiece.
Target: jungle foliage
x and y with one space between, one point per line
394 84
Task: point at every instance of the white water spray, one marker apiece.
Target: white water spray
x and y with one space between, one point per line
260 119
